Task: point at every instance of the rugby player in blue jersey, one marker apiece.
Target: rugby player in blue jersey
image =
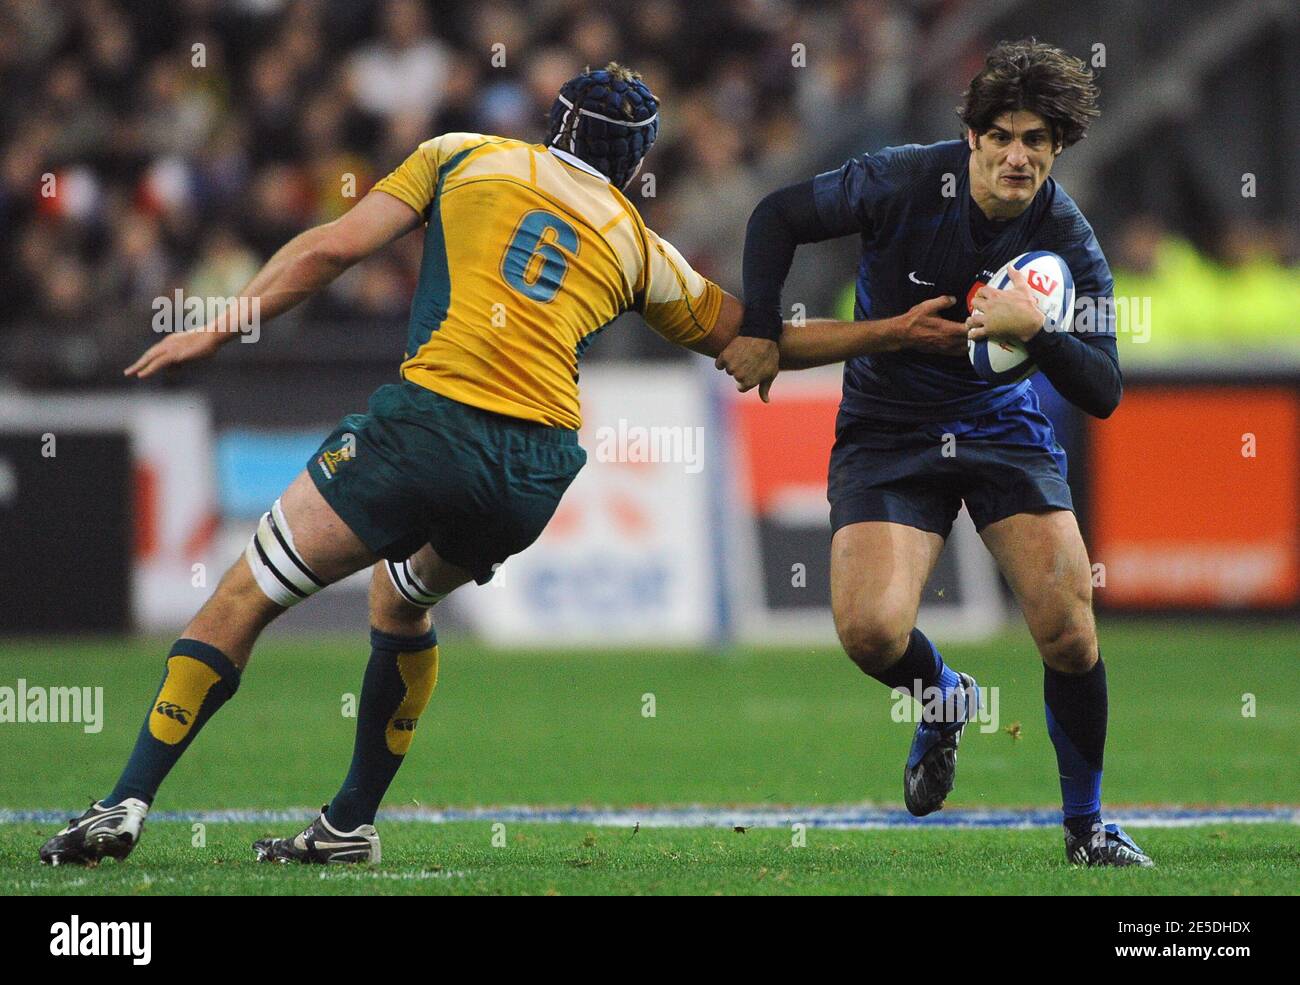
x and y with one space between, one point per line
936 221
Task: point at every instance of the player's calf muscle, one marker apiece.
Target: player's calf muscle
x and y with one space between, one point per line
425 579
392 614
234 616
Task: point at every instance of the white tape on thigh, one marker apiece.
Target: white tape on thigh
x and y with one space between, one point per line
276 565
409 586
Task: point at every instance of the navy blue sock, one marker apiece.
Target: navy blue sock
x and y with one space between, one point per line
398 683
920 662
197 680
1076 706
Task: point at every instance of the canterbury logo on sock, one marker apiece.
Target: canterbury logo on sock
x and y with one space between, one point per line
419 673
184 689
182 715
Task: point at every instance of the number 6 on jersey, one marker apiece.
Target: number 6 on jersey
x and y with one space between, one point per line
536 249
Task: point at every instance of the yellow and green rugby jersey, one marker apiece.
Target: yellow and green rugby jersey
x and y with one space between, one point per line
528 253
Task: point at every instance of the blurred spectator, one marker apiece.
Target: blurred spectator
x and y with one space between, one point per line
189 140
1200 307
405 69
139 264
150 145
223 267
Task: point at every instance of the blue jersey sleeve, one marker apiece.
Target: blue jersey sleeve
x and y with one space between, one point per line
1067 233
854 197
779 223
1083 364
1094 290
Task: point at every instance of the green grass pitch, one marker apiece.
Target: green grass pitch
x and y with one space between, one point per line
778 726
571 859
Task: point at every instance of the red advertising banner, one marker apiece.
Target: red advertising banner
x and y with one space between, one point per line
787 446
1195 498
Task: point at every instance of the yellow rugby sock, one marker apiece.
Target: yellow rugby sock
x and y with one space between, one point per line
197 681
399 681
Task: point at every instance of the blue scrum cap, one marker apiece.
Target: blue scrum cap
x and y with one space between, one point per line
609 118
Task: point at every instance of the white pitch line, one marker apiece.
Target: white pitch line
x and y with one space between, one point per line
842 818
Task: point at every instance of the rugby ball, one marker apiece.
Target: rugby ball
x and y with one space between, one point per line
1003 361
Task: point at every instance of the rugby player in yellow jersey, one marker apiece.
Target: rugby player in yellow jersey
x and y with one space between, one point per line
529 251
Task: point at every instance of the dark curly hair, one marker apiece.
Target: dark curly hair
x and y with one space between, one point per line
1030 75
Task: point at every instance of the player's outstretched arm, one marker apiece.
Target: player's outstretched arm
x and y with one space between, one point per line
822 341
779 224
298 269
678 303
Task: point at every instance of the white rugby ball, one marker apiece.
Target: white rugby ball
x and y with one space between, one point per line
1005 361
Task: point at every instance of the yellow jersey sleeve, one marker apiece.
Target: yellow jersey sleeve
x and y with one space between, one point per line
415 180
678 303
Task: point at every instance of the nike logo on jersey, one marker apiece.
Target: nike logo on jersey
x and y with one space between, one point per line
926 283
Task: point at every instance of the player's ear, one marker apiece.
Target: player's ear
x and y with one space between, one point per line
972 141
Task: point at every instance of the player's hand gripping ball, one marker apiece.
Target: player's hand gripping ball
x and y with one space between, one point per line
1002 358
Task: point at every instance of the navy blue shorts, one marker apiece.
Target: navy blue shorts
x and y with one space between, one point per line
1001 464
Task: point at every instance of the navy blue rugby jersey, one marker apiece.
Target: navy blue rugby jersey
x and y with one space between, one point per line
917 243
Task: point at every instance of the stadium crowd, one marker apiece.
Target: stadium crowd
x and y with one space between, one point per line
164 145
155 145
